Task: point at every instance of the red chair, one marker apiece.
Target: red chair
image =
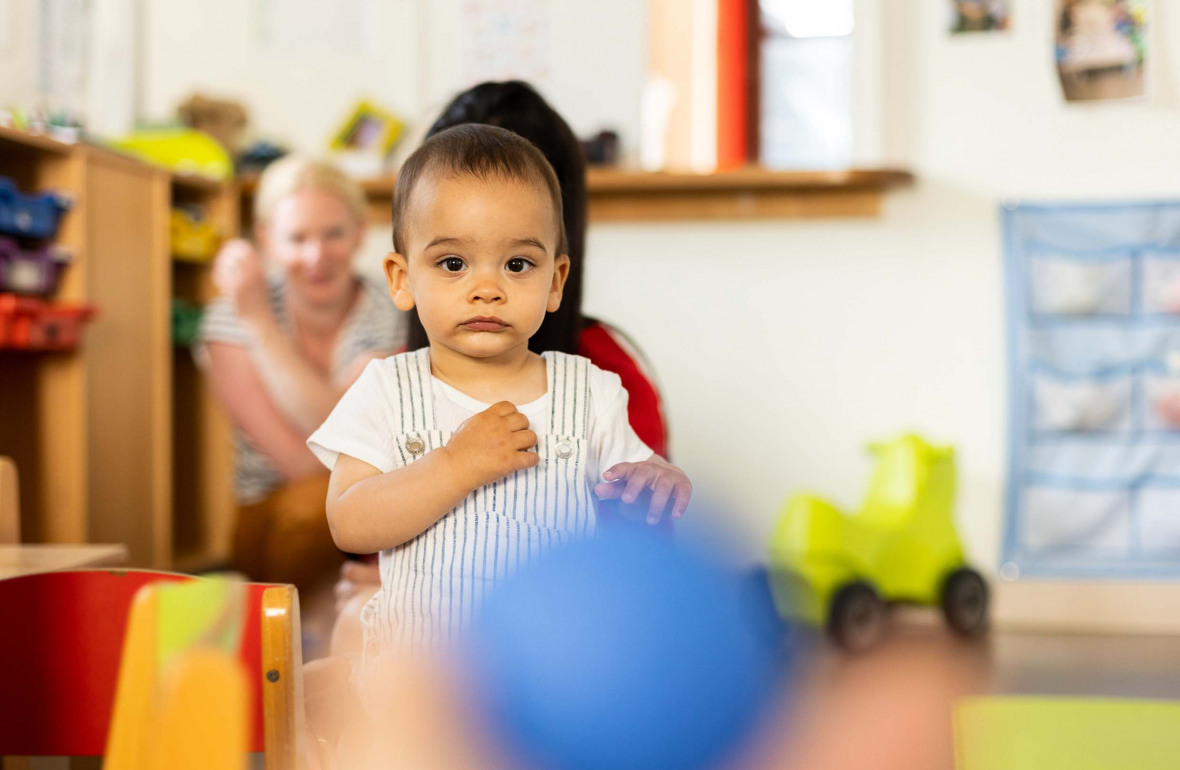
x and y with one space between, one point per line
59 661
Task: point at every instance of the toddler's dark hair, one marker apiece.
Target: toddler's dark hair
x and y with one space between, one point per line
516 106
480 151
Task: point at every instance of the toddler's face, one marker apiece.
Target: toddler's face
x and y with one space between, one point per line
480 263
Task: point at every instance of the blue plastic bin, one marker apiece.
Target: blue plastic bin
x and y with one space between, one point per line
35 215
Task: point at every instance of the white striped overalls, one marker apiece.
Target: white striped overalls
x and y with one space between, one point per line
431 585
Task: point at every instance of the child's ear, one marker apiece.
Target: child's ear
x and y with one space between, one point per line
398 279
561 271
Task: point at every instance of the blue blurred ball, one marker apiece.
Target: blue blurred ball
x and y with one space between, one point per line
624 652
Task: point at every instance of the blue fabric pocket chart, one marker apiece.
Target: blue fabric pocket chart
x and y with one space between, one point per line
1094 391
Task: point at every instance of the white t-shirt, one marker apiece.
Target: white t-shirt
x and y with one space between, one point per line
364 423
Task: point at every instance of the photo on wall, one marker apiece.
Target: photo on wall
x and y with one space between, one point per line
1101 48
980 15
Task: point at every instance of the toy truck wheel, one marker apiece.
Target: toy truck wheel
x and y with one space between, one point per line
965 602
856 621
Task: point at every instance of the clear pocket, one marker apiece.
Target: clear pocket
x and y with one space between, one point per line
1159 520
1162 399
1085 520
1160 286
1075 287
1081 404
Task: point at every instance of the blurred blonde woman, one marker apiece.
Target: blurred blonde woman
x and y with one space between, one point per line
293 328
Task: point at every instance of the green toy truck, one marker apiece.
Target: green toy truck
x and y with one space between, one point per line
843 571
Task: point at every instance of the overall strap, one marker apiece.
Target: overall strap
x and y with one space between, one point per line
569 393
415 391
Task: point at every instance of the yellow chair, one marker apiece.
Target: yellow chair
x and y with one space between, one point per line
183 697
89 638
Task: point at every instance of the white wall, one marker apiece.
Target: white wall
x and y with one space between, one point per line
784 346
301 95
18 52
809 338
297 95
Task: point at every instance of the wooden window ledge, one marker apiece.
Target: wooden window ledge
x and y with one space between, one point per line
624 195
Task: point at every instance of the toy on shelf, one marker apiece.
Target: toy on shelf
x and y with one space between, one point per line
255 158
181 150
60 126
842 571
27 323
186 322
194 237
222 119
31 271
30 215
366 137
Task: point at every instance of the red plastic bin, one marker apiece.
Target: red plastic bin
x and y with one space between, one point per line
27 323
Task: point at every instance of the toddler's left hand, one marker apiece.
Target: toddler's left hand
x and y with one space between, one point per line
626 480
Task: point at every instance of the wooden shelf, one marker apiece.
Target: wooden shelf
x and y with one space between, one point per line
629 195
198 185
618 195
748 179
119 441
11 139
203 506
88 428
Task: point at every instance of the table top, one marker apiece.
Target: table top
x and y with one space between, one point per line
27 559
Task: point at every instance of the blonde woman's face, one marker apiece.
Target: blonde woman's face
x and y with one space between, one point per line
313 236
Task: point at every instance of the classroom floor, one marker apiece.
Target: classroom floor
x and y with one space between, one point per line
892 708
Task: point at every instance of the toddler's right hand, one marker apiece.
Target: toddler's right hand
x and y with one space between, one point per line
492 444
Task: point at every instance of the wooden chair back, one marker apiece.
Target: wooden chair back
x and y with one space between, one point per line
60 670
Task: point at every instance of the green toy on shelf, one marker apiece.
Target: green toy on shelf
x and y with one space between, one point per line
186 322
842 571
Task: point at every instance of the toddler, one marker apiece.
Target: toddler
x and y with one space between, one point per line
461 461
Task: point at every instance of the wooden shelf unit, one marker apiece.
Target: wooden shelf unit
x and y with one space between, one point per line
628 195
118 441
202 451
89 428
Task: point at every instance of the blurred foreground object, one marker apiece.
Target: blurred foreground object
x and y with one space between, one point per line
624 652
1031 733
221 119
182 698
80 635
181 150
902 546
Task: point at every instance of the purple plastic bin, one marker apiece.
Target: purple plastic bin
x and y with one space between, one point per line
30 271
35 215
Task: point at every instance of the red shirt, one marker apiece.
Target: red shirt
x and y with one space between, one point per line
607 348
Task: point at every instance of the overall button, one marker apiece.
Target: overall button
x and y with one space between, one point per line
415 445
564 450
